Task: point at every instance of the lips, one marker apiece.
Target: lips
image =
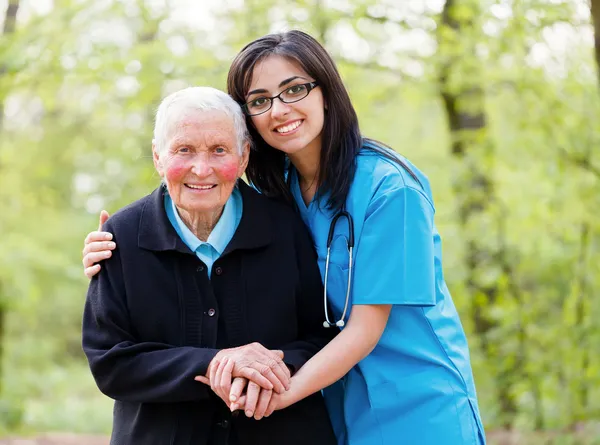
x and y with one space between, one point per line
288 127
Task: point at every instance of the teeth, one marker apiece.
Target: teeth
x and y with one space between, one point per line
200 187
289 128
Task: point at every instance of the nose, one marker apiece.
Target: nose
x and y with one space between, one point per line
279 108
201 166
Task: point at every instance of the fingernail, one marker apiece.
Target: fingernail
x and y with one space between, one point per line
111 245
107 254
249 413
233 407
232 398
108 236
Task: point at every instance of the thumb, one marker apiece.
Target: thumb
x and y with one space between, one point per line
278 353
202 379
103 218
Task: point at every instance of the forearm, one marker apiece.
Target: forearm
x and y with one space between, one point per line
349 347
150 373
296 354
330 364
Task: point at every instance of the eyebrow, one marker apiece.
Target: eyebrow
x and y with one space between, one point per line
282 83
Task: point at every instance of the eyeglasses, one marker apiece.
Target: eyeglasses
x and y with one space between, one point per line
290 95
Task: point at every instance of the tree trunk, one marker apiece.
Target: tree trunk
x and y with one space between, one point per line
595 12
480 220
10 19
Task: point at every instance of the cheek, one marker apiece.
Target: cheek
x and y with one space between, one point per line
261 125
175 171
228 172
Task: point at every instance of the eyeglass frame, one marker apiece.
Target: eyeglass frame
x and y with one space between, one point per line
309 87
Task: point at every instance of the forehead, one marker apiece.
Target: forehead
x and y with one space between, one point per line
202 124
270 71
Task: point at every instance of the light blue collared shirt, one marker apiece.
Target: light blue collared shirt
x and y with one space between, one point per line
219 238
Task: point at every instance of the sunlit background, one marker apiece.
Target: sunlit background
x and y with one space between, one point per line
497 101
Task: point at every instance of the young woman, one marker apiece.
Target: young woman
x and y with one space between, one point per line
401 360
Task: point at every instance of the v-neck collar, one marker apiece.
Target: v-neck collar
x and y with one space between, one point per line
297 193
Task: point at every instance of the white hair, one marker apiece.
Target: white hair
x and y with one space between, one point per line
175 105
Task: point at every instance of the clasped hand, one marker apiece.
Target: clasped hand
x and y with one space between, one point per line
253 368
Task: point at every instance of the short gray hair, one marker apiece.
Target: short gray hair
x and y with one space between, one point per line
176 104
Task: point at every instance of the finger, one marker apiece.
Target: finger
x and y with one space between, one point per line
279 357
238 385
278 352
272 406
216 380
214 365
98 246
98 236
103 218
275 373
202 379
92 258
264 398
226 378
256 377
239 404
91 271
282 372
252 394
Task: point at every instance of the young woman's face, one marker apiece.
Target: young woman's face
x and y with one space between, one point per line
289 127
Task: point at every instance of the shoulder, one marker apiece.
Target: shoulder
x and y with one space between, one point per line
384 171
255 201
127 219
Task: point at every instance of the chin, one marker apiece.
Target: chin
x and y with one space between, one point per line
291 147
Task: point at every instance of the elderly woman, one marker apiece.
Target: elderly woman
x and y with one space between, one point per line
206 272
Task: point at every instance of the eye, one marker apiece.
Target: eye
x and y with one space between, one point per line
183 150
220 150
296 89
258 102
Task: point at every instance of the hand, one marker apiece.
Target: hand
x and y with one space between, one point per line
261 405
258 405
253 362
256 402
97 247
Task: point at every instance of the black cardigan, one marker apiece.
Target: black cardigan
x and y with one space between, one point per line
152 320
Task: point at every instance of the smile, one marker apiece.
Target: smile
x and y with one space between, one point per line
200 187
289 127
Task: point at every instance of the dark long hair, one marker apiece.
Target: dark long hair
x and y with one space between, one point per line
341 135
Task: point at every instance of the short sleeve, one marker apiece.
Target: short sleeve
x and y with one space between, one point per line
395 259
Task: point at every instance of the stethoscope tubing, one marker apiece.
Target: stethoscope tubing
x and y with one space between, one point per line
342 213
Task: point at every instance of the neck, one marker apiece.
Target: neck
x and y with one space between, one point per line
200 224
307 162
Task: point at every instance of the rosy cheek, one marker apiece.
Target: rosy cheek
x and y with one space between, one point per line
228 171
175 171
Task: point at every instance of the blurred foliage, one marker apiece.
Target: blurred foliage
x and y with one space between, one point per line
80 80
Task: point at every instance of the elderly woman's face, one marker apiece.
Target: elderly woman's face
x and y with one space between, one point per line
201 163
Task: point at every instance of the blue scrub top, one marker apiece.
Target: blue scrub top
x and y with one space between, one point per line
416 387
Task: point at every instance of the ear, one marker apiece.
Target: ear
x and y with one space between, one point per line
157 161
244 159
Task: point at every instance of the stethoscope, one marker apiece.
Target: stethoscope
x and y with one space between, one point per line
350 244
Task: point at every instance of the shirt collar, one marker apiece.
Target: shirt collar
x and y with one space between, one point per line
220 235
156 233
